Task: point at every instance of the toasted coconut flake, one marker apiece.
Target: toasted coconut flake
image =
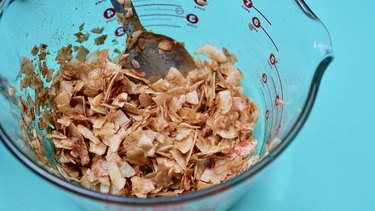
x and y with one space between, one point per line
120 100
88 134
136 118
179 157
211 52
229 133
127 170
234 78
97 122
108 130
113 156
83 152
110 124
165 45
64 157
243 149
161 99
136 156
207 148
158 123
65 121
115 141
145 142
135 63
209 176
175 77
129 12
120 119
97 30
182 132
64 143
98 58
192 98
161 85
98 149
280 103
176 103
145 100
27 66
57 135
224 101
118 181
202 185
185 145
141 187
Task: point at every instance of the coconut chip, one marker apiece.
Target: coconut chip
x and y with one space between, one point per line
115 132
141 187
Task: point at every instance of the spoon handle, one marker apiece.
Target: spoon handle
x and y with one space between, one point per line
131 20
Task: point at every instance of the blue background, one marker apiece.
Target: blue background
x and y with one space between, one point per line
331 164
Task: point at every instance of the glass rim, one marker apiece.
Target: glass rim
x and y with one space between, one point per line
286 140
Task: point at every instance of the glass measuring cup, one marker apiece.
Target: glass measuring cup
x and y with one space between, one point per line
282 48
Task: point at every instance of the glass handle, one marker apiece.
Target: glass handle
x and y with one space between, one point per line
3 4
305 8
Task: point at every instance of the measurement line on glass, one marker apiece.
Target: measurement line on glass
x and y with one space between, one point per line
158 9
134 1
147 5
264 98
272 108
273 62
249 4
257 24
156 19
267 113
277 98
168 15
162 25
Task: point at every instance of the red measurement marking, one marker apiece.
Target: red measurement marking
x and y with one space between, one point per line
248 3
109 13
120 31
272 59
279 128
257 24
201 4
264 78
277 107
277 100
262 15
193 19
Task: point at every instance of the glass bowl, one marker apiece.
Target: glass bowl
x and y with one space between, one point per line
282 48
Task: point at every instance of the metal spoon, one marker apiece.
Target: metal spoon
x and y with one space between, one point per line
155 53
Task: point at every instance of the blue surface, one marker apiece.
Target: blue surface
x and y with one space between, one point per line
330 166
